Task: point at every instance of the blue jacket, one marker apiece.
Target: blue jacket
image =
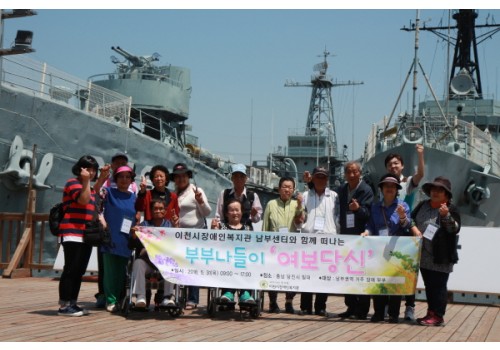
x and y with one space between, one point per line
387 217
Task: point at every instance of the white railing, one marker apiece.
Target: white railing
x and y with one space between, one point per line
47 82
137 75
463 138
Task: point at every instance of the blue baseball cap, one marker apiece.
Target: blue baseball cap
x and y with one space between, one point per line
238 168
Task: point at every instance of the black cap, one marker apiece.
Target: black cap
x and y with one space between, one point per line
119 155
180 168
439 181
320 171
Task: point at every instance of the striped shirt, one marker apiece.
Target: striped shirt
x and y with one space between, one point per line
72 226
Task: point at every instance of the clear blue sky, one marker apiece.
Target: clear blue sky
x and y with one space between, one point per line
242 58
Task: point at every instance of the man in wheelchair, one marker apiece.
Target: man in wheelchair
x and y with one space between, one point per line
142 264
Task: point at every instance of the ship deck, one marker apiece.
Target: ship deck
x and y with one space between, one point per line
28 312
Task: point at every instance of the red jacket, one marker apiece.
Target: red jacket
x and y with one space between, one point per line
143 203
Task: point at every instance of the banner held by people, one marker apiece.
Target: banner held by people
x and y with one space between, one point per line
322 263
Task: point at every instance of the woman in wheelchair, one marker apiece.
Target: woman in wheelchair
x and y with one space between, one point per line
233 213
143 265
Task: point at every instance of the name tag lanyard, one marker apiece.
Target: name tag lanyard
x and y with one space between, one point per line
432 228
384 231
319 220
350 222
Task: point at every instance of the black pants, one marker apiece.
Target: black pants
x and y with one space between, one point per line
319 302
273 296
358 305
76 259
393 301
410 300
436 290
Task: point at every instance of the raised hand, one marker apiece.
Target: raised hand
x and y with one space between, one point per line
444 210
198 196
143 185
354 205
175 219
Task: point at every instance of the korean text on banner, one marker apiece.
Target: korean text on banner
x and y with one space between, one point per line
322 263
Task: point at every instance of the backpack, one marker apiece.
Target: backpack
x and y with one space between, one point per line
56 215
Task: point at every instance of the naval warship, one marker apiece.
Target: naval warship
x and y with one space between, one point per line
460 131
50 119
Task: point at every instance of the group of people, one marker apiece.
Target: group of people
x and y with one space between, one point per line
352 209
117 202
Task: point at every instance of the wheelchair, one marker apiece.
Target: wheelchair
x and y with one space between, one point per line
153 282
215 304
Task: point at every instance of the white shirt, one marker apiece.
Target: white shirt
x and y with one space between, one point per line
321 212
192 214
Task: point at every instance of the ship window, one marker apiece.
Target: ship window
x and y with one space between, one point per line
294 143
307 143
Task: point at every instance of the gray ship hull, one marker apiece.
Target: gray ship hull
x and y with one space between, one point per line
458 169
69 133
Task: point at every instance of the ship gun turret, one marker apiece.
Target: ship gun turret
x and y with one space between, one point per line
136 63
134 60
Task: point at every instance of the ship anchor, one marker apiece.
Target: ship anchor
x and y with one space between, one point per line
477 191
16 173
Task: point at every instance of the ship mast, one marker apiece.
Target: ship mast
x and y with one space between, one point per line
465 77
320 120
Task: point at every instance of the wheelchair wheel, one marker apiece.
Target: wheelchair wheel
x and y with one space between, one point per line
255 311
259 299
212 305
125 307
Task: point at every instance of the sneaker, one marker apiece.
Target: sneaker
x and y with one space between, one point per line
166 302
430 313
190 305
85 311
433 320
227 297
246 298
111 308
274 308
70 311
346 314
140 303
100 301
377 318
321 313
305 312
289 308
393 319
410 313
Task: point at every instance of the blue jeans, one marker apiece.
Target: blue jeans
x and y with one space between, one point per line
194 294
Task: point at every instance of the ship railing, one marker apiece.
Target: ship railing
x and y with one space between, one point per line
50 83
141 122
35 257
137 75
455 136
